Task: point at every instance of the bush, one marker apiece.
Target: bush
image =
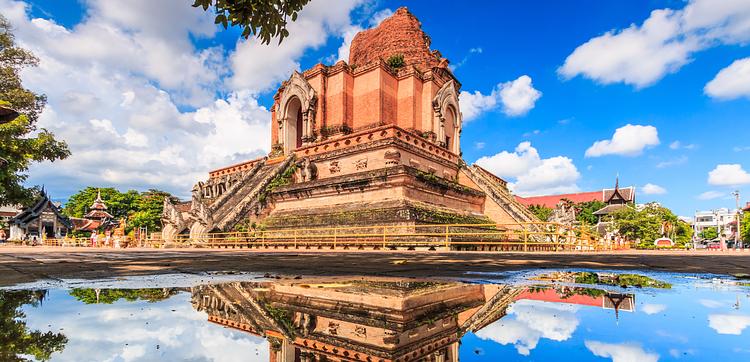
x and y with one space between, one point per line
395 61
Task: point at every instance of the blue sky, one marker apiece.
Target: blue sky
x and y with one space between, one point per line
154 95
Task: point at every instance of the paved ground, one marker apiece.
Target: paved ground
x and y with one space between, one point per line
26 264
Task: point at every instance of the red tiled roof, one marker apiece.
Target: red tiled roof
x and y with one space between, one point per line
747 207
98 214
551 201
85 224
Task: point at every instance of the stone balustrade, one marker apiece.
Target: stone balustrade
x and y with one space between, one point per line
244 166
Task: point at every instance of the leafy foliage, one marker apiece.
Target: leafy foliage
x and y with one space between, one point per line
20 141
142 209
651 223
395 61
585 212
265 19
17 342
709 233
623 280
109 296
541 211
745 227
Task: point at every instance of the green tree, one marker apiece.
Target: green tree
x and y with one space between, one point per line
265 19
140 209
109 296
17 341
650 223
745 227
585 212
21 143
709 233
541 211
149 210
119 204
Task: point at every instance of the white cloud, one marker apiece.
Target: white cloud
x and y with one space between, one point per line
669 163
260 67
653 308
479 145
130 331
710 195
379 16
474 104
628 140
517 98
641 55
528 321
731 82
729 323
676 145
463 61
533 175
136 101
728 175
652 189
710 303
621 352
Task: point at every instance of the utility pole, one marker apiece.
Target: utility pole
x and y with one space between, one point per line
737 242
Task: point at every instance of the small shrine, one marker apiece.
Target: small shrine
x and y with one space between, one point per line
96 218
43 220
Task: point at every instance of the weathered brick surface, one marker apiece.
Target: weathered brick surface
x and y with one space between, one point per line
399 34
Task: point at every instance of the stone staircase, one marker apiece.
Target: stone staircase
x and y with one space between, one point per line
233 205
496 190
246 179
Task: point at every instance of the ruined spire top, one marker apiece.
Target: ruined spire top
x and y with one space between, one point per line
399 34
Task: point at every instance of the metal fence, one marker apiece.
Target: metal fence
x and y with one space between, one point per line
539 236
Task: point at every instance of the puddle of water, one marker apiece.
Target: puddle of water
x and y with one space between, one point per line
557 316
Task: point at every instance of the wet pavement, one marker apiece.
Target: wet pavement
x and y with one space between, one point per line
19 265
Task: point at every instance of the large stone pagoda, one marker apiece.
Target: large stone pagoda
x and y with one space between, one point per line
375 141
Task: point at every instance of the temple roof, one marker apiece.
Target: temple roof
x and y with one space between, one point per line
605 195
85 224
551 201
32 213
98 209
609 209
401 33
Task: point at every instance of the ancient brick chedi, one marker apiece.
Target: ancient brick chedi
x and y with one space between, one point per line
375 141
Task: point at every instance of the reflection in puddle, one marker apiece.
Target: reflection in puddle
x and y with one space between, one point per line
376 320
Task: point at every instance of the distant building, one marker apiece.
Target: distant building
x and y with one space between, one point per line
42 220
6 214
616 198
551 201
723 219
96 218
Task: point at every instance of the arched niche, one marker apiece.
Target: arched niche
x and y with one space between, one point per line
447 120
297 113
